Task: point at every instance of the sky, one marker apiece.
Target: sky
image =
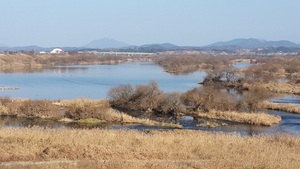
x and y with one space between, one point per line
62 23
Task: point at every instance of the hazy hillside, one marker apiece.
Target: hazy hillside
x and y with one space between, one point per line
253 43
105 43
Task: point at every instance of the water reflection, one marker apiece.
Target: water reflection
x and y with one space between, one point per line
66 69
294 99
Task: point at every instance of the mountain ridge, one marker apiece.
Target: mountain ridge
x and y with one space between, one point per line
105 43
111 44
253 43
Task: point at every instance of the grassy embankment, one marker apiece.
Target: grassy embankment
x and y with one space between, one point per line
94 148
288 88
291 108
241 117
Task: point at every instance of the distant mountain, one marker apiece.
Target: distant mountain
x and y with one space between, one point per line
105 43
160 46
151 48
252 43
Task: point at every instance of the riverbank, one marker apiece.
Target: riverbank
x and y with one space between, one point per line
94 148
291 108
33 62
242 117
85 111
100 111
287 88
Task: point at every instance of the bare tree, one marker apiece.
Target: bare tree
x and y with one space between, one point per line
119 96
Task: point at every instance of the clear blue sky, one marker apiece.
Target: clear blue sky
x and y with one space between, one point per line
182 22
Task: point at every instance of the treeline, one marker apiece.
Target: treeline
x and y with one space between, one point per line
188 63
182 64
265 69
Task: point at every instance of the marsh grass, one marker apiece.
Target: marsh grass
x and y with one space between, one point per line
290 88
94 148
248 118
29 108
90 121
291 108
81 109
84 111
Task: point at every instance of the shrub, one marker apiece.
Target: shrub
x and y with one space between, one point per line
86 108
33 108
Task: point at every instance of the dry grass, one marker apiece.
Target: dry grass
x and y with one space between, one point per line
291 88
291 108
81 110
248 118
29 108
80 148
101 109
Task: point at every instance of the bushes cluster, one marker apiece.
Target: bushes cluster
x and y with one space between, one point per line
190 63
149 98
272 68
29 108
86 108
74 109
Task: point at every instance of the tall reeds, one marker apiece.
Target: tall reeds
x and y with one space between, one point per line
94 148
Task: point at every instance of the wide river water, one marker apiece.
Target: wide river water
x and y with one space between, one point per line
93 81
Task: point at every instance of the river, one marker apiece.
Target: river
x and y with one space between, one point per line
92 81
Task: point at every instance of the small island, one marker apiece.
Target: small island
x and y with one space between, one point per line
8 88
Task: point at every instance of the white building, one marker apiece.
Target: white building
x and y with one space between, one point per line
56 51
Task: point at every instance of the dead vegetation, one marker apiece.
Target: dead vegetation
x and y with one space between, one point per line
291 108
188 63
277 87
262 119
145 98
272 68
29 108
79 110
210 100
278 74
94 148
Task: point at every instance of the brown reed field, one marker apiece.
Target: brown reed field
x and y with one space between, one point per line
82 148
288 88
291 108
248 118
